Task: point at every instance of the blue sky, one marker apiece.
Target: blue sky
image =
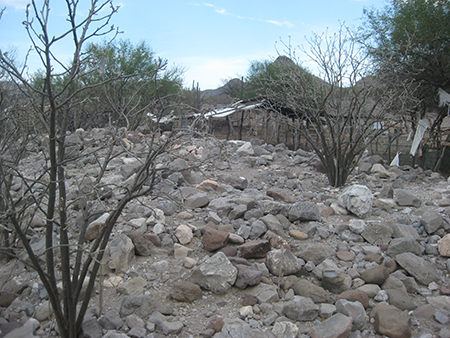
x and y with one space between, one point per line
213 40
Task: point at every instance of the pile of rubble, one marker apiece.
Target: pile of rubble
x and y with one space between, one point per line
246 239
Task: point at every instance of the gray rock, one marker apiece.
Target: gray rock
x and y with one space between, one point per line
371 290
335 280
400 300
406 199
141 305
391 321
271 207
247 276
132 286
423 271
304 211
110 320
237 211
305 288
168 207
120 254
264 293
171 328
285 330
257 229
199 200
273 224
357 226
357 199
326 310
441 303
404 244
431 221
377 233
327 264
301 309
349 236
393 283
236 181
26 331
245 150
114 334
354 310
43 311
313 253
282 262
91 328
404 230
137 332
222 206
216 274
337 326
379 273
236 328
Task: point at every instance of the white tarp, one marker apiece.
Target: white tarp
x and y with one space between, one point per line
396 160
420 131
444 99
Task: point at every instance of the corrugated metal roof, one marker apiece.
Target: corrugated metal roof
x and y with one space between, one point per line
224 112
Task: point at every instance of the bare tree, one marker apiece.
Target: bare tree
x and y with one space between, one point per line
68 257
342 111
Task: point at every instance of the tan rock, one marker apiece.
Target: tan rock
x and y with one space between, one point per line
184 234
444 246
207 185
300 235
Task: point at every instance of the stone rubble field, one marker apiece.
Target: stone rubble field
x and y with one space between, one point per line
244 239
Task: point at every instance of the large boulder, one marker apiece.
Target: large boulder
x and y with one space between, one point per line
357 199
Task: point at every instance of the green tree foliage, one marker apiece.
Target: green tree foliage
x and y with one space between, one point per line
124 78
412 37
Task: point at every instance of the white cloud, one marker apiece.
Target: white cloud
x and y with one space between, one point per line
223 11
281 23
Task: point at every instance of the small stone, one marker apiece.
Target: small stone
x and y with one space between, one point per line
337 326
246 311
254 249
184 291
355 296
215 324
189 263
301 309
346 256
247 276
282 262
391 321
214 239
444 246
298 235
184 234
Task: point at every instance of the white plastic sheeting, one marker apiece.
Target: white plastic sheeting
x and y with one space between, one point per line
444 99
420 131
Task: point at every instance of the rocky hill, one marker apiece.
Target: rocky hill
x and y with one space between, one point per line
249 240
